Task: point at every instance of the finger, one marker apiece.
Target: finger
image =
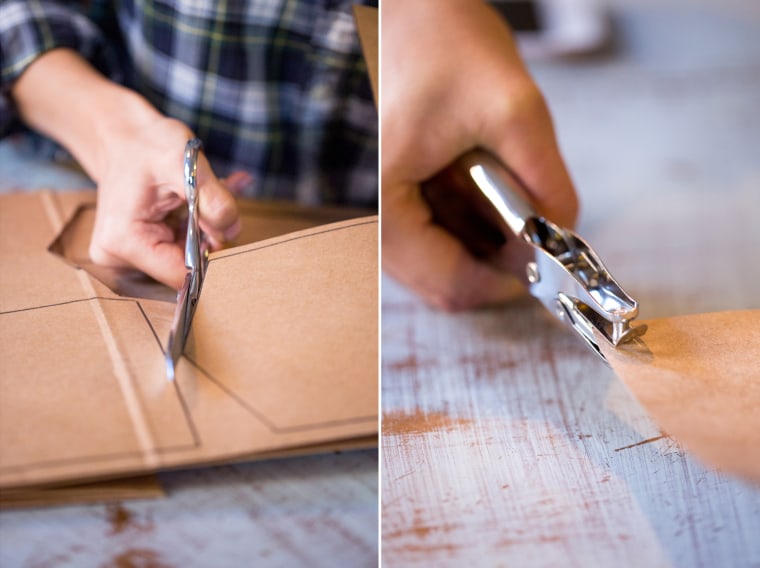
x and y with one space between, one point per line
433 263
522 135
154 251
238 182
149 247
219 215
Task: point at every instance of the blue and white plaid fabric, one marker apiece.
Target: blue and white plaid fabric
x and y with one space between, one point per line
276 87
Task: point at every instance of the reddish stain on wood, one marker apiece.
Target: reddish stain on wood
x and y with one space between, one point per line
139 558
426 535
121 520
486 365
419 422
410 363
118 517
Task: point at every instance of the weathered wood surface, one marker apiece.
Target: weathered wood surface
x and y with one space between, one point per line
309 511
505 441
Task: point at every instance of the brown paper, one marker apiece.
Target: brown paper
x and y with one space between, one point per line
367 26
699 378
142 487
260 220
282 353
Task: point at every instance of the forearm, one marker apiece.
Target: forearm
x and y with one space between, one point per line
134 154
62 96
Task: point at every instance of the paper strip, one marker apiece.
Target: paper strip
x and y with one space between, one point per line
699 378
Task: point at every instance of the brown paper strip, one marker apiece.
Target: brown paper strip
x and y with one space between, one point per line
143 487
699 378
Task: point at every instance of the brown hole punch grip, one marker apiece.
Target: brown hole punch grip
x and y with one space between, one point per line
485 205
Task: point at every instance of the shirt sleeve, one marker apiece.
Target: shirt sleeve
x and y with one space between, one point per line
29 28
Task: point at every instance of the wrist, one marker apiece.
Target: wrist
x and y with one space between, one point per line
85 112
120 115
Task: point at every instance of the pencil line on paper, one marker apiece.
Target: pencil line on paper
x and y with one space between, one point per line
254 247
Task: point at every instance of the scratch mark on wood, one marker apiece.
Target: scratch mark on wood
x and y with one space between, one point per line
647 441
403 476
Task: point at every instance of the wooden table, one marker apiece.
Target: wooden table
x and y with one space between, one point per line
310 511
506 442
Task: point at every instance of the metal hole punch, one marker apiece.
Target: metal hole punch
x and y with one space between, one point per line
195 262
486 206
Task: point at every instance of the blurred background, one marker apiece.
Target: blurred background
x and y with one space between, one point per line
657 110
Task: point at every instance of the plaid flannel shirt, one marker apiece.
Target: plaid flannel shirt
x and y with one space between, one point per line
276 87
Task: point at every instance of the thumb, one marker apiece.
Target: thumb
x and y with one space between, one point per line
524 139
219 216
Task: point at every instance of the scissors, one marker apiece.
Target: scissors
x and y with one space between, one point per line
486 206
196 256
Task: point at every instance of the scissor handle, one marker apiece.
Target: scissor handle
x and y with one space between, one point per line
193 259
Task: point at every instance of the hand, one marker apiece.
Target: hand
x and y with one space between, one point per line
141 186
135 155
452 80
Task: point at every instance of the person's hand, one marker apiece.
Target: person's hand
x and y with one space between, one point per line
140 192
452 80
135 155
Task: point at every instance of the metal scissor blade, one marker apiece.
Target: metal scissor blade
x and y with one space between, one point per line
194 261
183 317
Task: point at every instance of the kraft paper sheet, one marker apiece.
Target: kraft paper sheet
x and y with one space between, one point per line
282 355
699 378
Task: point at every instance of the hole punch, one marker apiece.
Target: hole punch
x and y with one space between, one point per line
555 264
